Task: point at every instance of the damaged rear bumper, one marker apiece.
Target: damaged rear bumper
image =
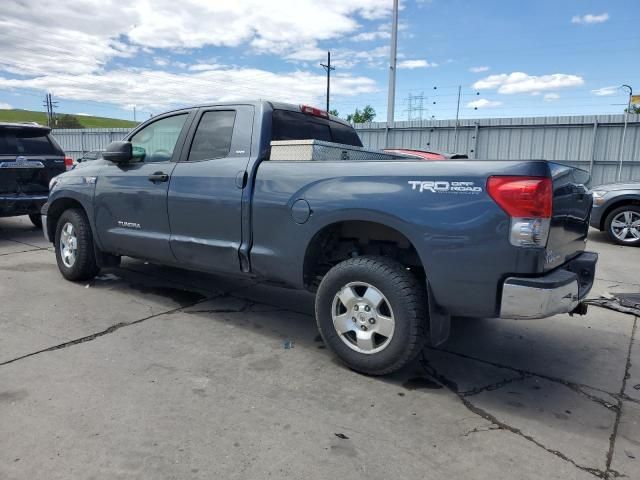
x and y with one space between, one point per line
560 291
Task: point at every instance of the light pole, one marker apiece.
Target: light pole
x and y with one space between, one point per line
392 69
624 131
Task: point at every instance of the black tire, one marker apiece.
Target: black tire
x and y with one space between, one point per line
611 231
407 302
84 266
36 219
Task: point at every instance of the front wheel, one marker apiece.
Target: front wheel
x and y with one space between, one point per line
623 225
371 311
74 246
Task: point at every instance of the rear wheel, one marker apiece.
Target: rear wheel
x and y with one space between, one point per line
36 219
623 225
371 311
74 246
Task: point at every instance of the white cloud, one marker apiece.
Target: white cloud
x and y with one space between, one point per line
550 97
590 18
82 114
157 90
479 69
606 91
520 82
203 67
411 64
77 48
80 36
382 33
5 106
484 103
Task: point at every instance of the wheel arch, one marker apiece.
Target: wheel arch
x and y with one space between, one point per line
55 209
341 239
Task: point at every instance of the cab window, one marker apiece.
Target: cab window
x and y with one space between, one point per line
157 141
213 136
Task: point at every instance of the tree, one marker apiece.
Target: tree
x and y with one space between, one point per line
68 121
634 109
365 116
334 111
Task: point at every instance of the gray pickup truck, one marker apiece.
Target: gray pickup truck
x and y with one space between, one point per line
392 248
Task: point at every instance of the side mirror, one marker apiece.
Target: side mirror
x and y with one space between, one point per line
118 152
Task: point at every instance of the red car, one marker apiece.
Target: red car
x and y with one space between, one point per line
425 155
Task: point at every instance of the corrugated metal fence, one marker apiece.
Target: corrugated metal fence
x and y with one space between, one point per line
591 142
78 141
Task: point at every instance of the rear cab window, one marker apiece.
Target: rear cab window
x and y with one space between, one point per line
290 125
27 141
213 136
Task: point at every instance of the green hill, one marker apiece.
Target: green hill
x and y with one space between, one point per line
85 120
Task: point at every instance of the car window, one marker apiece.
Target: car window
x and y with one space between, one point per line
156 141
24 142
288 125
213 136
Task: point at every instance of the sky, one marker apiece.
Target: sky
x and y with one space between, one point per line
510 58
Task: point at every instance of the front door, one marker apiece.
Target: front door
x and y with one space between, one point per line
131 199
205 194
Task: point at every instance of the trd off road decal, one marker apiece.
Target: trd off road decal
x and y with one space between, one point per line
444 186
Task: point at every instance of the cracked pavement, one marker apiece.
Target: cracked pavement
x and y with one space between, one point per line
156 372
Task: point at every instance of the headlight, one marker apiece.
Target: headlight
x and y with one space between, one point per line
598 196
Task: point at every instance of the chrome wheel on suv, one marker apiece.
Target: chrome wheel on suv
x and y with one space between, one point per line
623 225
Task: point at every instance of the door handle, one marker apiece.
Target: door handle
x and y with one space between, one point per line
158 177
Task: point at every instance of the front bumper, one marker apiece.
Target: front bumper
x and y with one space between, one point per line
560 291
13 205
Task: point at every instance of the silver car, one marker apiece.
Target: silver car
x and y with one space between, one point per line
616 210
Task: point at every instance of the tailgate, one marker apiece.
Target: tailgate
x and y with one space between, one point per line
570 219
29 158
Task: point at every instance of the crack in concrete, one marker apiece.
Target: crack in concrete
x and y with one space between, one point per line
21 251
117 326
499 425
93 336
576 387
614 433
495 386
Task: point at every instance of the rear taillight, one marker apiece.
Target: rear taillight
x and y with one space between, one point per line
316 112
528 201
68 163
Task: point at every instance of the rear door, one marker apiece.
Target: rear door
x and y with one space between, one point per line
29 158
206 190
572 205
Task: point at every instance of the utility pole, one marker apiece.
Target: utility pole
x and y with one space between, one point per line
624 131
46 105
328 68
50 105
392 66
134 113
455 131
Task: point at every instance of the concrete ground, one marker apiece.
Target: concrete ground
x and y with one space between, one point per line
153 372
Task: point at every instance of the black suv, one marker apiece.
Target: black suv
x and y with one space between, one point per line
29 159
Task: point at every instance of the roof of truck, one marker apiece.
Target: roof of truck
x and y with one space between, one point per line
275 105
